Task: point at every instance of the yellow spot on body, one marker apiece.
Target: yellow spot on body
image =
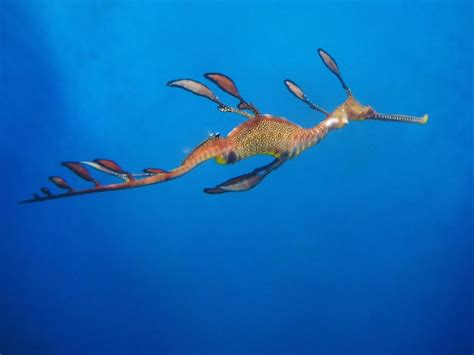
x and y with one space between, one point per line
273 154
220 159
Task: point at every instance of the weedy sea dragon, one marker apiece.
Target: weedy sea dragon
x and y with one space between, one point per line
259 134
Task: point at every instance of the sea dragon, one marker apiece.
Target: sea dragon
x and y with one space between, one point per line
260 134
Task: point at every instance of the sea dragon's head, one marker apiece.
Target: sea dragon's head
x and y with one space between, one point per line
350 109
353 110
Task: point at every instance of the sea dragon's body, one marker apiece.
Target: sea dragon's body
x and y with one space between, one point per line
266 135
258 135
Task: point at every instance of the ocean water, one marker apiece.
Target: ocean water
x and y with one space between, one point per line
362 245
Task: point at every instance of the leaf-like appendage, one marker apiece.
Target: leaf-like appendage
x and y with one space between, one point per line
60 182
194 87
225 83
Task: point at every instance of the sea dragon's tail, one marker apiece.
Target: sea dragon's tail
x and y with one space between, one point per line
212 147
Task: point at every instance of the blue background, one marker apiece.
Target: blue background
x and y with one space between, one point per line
364 244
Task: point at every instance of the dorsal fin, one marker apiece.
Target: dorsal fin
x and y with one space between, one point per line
154 171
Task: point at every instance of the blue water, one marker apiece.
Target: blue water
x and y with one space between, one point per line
362 245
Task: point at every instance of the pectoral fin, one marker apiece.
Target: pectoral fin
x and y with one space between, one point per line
240 183
247 181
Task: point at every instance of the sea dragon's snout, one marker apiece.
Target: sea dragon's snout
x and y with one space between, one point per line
399 118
